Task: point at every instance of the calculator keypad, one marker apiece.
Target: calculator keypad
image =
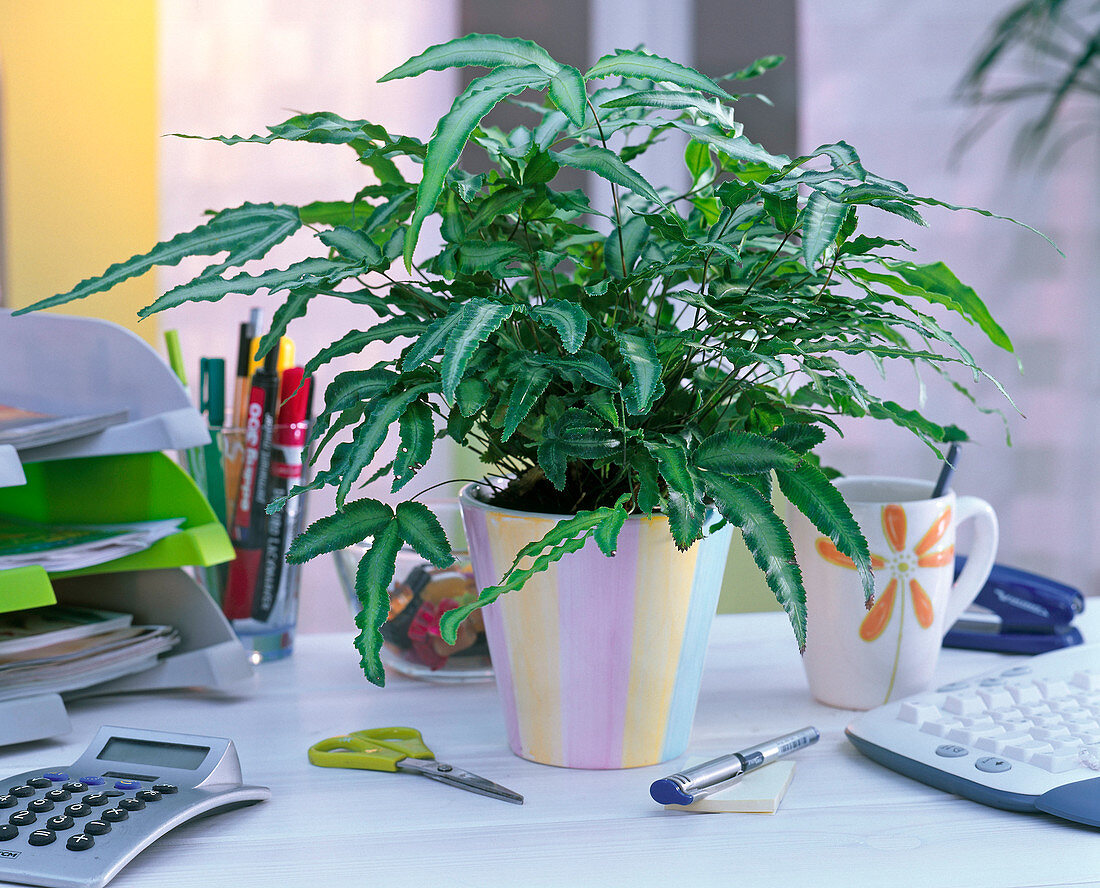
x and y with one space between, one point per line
110 806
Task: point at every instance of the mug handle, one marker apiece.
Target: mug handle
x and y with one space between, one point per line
979 562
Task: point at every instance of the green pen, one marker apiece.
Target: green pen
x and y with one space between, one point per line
192 457
212 406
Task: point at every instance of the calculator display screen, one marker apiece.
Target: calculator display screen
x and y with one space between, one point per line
153 752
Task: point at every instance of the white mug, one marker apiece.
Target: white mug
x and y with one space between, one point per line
859 658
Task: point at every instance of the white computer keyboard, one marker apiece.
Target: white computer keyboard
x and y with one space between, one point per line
1024 737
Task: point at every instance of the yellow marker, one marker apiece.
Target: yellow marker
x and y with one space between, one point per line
286 354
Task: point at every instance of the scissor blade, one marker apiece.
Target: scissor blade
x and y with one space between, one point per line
462 779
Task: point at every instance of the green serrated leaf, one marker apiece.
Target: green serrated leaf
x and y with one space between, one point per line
568 535
422 530
307 273
821 222
247 232
568 93
350 525
736 147
372 581
800 436
526 391
624 245
607 531
417 433
567 318
742 453
645 66
809 491
354 342
592 367
294 307
639 353
371 433
484 50
429 343
607 165
453 131
475 256
478 320
353 244
768 541
471 395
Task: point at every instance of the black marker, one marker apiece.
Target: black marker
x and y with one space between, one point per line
943 483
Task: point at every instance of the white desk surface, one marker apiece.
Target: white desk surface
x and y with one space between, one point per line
845 820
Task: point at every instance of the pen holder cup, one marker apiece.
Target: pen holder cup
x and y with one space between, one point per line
260 590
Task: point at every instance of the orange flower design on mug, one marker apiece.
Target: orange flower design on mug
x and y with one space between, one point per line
902 564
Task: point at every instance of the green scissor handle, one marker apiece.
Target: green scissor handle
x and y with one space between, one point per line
376 749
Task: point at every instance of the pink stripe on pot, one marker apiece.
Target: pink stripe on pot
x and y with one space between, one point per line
596 614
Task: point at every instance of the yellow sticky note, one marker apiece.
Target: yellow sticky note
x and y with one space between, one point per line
758 792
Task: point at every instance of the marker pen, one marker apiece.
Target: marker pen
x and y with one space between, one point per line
682 788
288 448
250 515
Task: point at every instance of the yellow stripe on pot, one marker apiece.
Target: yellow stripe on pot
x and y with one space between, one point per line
531 625
662 598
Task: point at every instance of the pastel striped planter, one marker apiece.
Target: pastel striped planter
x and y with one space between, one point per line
598 660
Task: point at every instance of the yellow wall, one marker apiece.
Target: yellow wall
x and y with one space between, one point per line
78 149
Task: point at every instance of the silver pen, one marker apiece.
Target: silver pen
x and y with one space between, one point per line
681 788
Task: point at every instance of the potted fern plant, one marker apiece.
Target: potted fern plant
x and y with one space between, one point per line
634 381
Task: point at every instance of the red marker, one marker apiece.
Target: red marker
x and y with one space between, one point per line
288 449
250 515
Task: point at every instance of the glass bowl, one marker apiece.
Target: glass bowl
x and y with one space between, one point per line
419 594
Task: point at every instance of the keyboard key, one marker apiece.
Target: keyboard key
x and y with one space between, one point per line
992 764
1052 688
939 728
914 713
1057 762
1023 750
996 698
1089 679
1024 693
964 704
1053 733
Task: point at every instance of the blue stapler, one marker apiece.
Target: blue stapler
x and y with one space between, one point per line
1018 613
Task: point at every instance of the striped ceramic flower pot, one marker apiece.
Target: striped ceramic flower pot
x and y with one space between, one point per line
598 660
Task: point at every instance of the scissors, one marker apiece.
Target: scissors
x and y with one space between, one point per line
400 749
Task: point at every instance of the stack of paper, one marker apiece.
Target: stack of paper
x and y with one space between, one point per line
58 649
72 547
29 428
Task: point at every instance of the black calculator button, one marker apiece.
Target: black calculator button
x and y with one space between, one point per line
75 786
42 837
7 831
114 815
96 827
96 799
22 792
60 822
148 795
22 818
59 795
131 804
78 809
40 782
8 801
113 793
165 788
79 842
40 806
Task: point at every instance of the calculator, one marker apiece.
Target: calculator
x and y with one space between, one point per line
76 826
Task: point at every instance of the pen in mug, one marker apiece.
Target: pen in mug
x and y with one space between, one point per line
287 454
250 515
950 462
683 787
